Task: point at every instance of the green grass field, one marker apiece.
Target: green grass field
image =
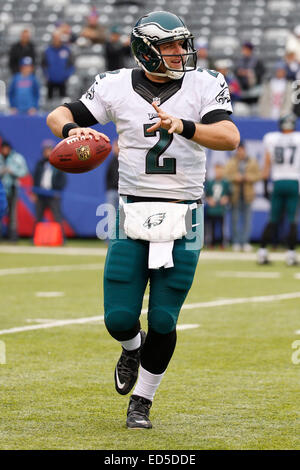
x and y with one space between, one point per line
231 384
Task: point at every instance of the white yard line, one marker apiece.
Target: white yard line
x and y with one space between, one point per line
213 303
231 256
187 326
45 250
49 294
40 320
243 300
52 324
249 274
88 251
51 269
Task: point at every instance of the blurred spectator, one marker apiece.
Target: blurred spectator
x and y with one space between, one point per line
243 172
12 167
293 43
23 48
66 33
94 31
3 201
224 66
57 65
48 184
276 97
217 193
116 50
203 60
291 66
249 71
24 89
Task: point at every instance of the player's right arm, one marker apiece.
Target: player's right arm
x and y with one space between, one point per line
62 115
267 166
267 156
92 108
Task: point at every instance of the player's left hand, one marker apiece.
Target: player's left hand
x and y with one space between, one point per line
170 123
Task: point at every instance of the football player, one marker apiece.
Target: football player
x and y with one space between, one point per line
282 162
166 112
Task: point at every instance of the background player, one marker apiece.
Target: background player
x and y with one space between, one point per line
161 159
282 162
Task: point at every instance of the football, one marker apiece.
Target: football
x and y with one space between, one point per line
78 154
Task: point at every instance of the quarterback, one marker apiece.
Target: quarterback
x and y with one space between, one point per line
166 112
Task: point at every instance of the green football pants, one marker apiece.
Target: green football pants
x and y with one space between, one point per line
285 197
126 275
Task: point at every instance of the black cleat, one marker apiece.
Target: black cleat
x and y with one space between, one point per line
127 368
264 262
138 413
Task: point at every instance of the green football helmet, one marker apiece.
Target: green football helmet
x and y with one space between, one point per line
288 122
154 29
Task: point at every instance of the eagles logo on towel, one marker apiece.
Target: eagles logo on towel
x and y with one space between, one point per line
155 219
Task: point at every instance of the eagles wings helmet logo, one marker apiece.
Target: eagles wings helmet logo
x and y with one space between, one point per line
223 97
83 152
155 219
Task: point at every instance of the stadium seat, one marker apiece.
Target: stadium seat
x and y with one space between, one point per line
281 5
89 64
14 30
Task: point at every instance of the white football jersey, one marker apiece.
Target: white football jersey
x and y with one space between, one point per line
284 150
157 164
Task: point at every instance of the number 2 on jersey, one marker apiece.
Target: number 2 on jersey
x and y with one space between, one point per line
152 158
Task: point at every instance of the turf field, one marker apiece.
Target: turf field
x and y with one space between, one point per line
233 382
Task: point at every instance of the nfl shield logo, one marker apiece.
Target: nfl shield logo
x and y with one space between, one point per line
83 152
156 100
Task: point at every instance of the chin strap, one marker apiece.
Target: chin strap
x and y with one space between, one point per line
168 73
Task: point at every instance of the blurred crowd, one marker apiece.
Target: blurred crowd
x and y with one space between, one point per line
255 91
231 188
48 184
57 62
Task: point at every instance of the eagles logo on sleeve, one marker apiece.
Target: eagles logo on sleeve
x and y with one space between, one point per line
223 97
90 93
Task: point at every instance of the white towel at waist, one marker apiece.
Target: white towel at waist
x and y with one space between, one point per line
160 223
160 255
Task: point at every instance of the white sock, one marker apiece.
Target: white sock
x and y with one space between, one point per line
133 343
262 254
147 384
290 256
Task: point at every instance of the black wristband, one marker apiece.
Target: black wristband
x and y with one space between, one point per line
189 129
66 129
